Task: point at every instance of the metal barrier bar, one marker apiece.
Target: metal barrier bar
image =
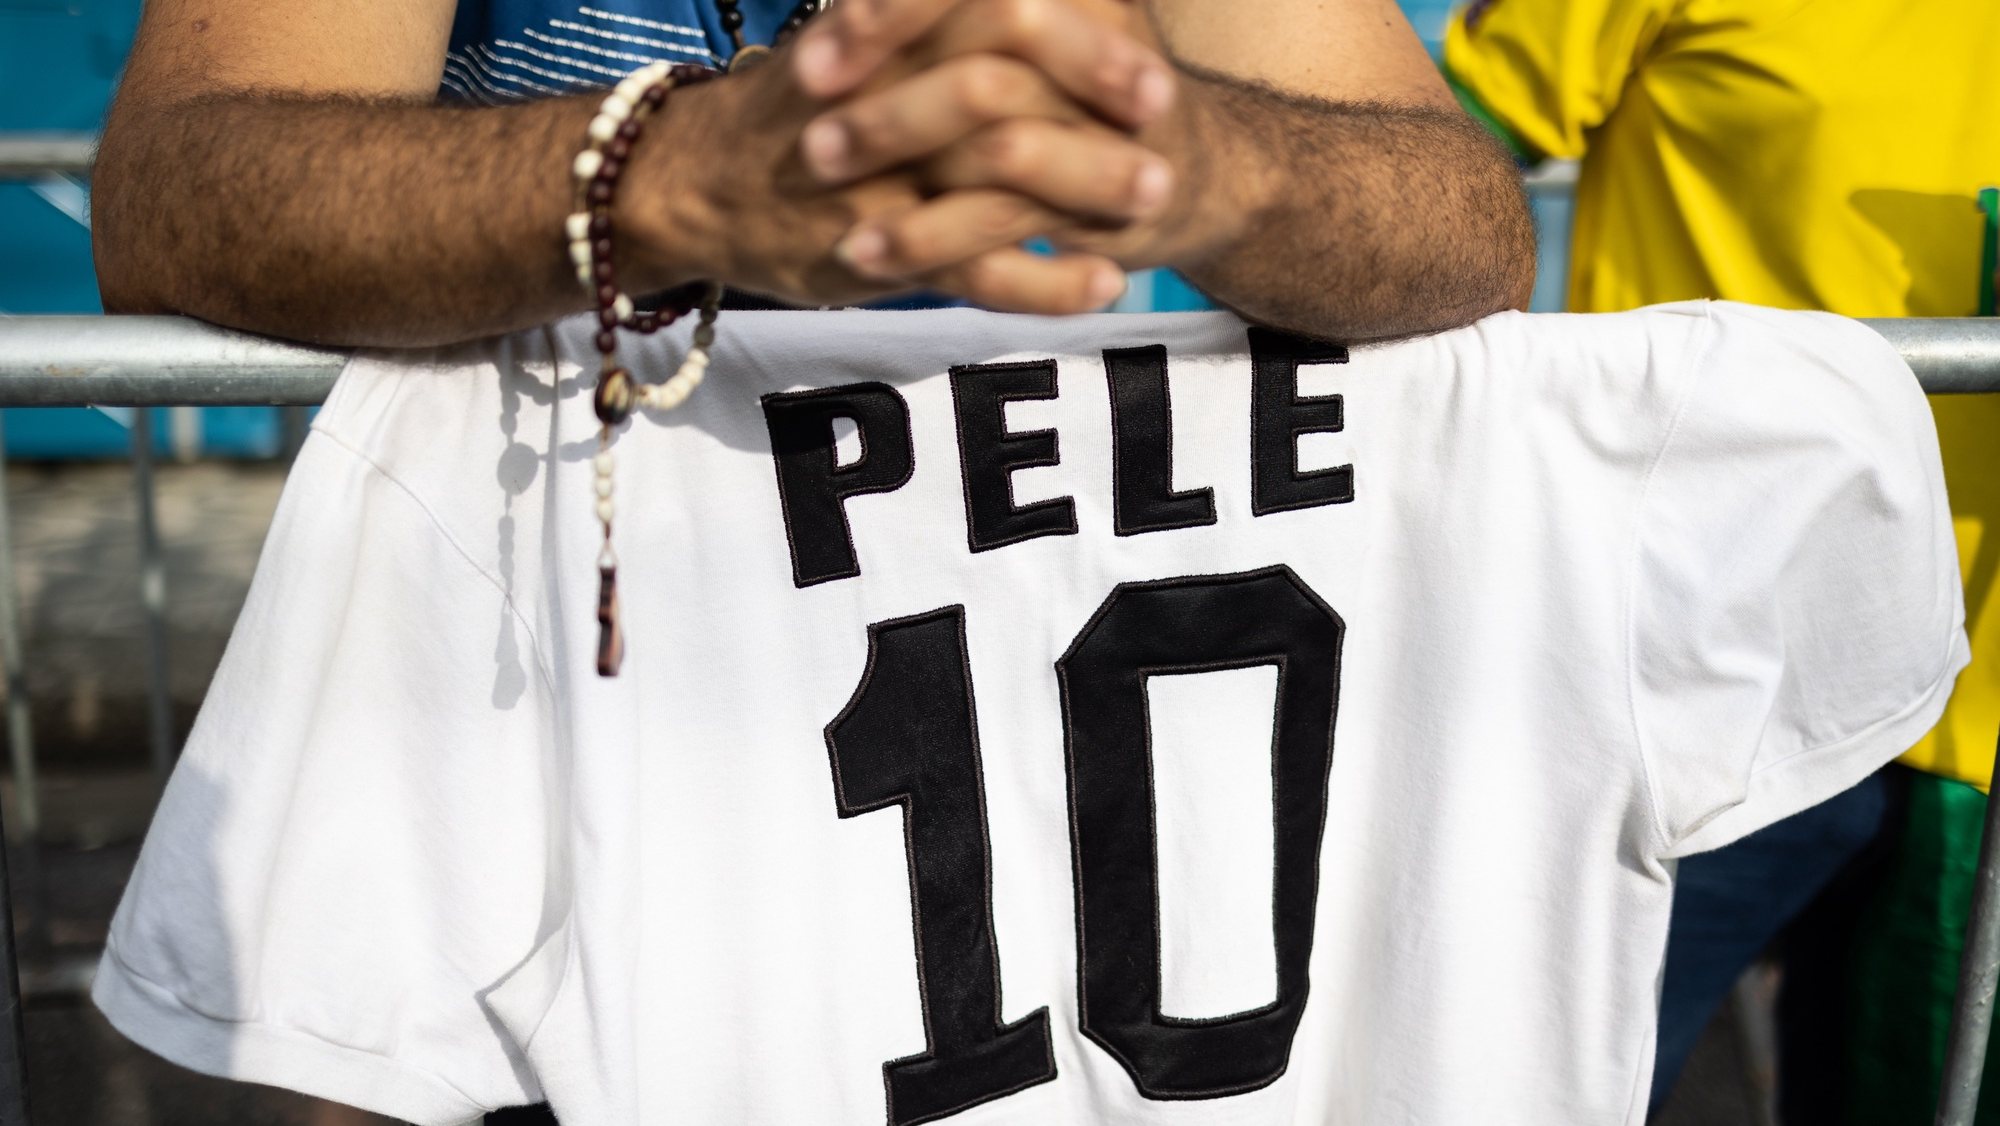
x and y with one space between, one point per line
13 1031
153 362
20 734
152 598
1951 355
169 361
1551 178
27 811
30 156
1978 976
27 878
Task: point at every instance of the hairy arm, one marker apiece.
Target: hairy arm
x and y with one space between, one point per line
1360 201
335 219
1359 220
281 168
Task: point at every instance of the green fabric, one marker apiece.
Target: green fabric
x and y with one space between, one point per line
1521 150
1905 969
1989 252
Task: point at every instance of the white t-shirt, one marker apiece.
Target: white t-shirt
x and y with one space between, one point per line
1027 748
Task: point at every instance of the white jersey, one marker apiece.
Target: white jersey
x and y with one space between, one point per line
1136 720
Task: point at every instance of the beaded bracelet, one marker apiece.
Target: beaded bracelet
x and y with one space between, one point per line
595 173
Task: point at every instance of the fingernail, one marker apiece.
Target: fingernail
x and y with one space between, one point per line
863 249
1152 186
825 146
1106 286
1152 93
818 59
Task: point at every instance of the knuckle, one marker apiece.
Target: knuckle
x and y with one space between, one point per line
1119 186
860 19
875 130
1023 19
989 87
1012 150
1113 67
999 219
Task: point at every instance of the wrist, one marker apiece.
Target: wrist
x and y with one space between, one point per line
667 218
1226 187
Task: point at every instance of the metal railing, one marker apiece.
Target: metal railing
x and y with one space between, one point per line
158 361
153 362
1551 178
28 155
162 361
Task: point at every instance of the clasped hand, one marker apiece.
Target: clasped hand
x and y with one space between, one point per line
906 144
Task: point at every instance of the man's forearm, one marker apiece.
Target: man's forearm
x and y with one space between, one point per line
1362 221
342 222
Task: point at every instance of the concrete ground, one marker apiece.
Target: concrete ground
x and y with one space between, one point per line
76 558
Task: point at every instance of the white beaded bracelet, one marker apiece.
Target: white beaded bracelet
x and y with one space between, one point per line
588 232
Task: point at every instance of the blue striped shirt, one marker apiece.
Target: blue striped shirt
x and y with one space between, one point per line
502 50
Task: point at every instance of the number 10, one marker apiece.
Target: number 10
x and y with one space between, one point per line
910 737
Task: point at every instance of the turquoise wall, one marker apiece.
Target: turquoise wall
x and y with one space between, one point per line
58 62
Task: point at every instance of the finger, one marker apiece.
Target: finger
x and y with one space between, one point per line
1085 50
929 111
1012 280
839 50
943 232
1087 171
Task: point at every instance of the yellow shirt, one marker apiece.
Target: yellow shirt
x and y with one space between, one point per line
1821 154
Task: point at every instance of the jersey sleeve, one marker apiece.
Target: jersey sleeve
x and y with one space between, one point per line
1796 615
1548 71
359 841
